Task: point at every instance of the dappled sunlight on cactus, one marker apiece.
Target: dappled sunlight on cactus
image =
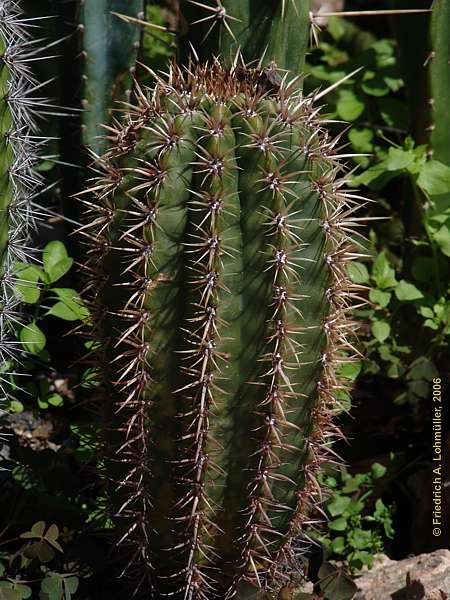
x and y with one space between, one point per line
218 238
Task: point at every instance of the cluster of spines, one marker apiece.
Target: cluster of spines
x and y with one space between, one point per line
130 230
20 106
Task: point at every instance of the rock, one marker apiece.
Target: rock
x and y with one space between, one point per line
423 577
318 6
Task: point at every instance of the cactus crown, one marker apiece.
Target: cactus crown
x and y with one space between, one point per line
217 244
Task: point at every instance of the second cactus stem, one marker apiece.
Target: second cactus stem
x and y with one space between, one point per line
19 184
218 242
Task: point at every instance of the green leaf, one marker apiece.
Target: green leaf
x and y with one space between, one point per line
355 507
359 538
352 484
32 338
55 400
442 239
361 558
379 297
56 261
62 311
350 370
52 586
378 470
338 505
70 307
36 532
426 312
339 524
27 287
335 583
382 272
380 330
44 165
434 178
336 28
40 550
52 535
374 84
71 585
399 159
338 545
422 368
12 590
349 106
358 272
16 406
407 291
361 139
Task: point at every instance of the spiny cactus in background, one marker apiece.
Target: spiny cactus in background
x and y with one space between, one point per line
218 238
19 183
425 62
110 47
267 31
440 80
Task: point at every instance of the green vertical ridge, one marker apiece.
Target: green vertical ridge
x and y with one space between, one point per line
221 196
440 80
110 48
266 30
411 33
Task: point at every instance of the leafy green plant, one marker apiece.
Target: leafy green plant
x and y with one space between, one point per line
36 288
409 276
24 571
358 526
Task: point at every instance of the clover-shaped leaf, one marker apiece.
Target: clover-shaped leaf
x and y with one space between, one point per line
44 548
335 583
12 590
56 586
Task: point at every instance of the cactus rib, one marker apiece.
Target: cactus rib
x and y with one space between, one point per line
218 286
440 80
263 32
110 48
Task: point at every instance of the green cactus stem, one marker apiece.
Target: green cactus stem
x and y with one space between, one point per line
413 50
440 80
110 48
217 243
265 31
19 183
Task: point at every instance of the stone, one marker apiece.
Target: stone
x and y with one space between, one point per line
423 577
319 6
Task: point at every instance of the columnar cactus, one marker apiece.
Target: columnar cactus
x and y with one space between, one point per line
266 31
440 80
18 182
218 241
110 48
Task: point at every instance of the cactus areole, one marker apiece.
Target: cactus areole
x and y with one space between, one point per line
218 243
